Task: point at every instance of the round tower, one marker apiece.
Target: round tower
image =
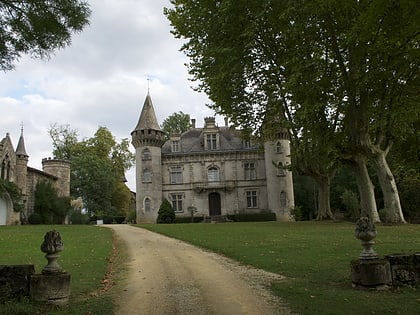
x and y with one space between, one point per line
61 170
148 138
279 178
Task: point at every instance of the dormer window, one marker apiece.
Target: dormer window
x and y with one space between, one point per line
175 146
211 141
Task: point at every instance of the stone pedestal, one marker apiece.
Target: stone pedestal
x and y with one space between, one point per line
405 268
370 274
53 289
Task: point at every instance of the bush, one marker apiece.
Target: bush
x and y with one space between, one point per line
34 218
77 217
252 217
297 213
166 213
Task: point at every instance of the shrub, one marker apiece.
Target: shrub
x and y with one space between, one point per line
34 218
166 213
77 217
252 217
297 213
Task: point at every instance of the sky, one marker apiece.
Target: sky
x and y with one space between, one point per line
102 79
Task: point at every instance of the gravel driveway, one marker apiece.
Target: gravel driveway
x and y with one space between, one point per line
168 276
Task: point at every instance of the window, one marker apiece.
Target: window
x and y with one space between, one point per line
280 169
213 174
177 202
175 175
246 144
211 141
147 204
283 199
279 147
175 146
147 176
146 154
251 199
250 173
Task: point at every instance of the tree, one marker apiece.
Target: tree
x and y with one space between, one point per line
49 206
38 27
353 65
97 169
166 213
176 123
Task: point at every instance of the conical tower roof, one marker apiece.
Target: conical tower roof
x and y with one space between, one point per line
20 150
147 118
147 131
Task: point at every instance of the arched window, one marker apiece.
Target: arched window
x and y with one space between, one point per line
147 204
279 147
213 174
280 169
146 155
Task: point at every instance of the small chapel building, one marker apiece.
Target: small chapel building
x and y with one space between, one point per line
212 169
14 168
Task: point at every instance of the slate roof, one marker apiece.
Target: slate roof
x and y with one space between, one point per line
147 118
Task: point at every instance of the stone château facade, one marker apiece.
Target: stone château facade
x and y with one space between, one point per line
14 168
212 169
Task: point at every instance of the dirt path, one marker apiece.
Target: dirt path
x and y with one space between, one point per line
167 276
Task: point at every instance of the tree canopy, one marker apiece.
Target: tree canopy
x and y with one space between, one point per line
342 76
176 123
98 165
38 27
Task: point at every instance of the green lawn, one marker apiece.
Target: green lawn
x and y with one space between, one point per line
314 255
87 250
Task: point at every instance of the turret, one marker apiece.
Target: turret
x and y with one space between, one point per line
61 170
21 169
148 138
279 177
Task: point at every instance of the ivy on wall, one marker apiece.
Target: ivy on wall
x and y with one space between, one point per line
14 192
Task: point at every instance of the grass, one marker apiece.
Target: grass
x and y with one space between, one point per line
315 256
86 256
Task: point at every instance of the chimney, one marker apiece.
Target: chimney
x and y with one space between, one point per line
193 123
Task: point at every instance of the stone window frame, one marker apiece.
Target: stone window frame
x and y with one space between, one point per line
279 147
252 196
281 171
147 204
176 175
211 140
146 155
146 176
213 174
283 199
250 173
177 200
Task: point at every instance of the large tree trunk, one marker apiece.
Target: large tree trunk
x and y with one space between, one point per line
392 205
366 189
324 207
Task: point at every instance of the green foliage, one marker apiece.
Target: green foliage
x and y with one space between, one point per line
166 213
50 207
97 169
14 192
315 258
252 217
38 27
35 218
77 217
350 201
176 123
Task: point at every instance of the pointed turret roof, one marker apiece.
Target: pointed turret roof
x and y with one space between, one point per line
20 150
147 118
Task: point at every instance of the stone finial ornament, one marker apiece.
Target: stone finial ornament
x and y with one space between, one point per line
52 245
366 231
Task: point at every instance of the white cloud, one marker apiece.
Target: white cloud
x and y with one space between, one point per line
101 79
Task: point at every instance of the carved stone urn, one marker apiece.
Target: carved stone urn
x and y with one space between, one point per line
366 231
52 246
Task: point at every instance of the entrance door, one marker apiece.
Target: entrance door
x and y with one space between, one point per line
3 211
215 207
